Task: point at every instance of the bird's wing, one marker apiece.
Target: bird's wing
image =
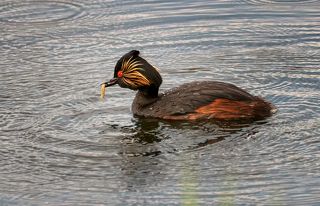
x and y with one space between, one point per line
191 96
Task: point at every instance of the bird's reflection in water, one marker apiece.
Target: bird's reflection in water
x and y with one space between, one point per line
149 147
151 137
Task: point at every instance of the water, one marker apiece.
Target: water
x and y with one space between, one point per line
61 145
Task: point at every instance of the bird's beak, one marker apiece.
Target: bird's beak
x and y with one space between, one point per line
111 82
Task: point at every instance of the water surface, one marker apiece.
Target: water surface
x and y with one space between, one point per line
61 145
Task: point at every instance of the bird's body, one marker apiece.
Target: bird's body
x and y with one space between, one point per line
190 101
202 100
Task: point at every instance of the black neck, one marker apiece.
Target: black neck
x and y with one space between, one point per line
150 91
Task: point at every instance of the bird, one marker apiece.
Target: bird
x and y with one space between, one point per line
197 100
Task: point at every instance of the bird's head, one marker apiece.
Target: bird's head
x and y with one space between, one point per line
134 72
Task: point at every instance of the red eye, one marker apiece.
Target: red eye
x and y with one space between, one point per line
120 74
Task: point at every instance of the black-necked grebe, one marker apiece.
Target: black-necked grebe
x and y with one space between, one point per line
190 101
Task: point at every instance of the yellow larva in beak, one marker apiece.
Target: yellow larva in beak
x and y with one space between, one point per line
102 91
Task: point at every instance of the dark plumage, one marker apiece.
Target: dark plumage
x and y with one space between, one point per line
191 101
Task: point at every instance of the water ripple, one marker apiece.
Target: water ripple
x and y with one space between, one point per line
281 2
39 11
61 145
68 51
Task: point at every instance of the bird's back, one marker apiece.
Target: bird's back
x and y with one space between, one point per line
206 99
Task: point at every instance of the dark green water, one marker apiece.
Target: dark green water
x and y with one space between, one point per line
61 145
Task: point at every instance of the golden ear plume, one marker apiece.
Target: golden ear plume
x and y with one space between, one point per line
131 75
